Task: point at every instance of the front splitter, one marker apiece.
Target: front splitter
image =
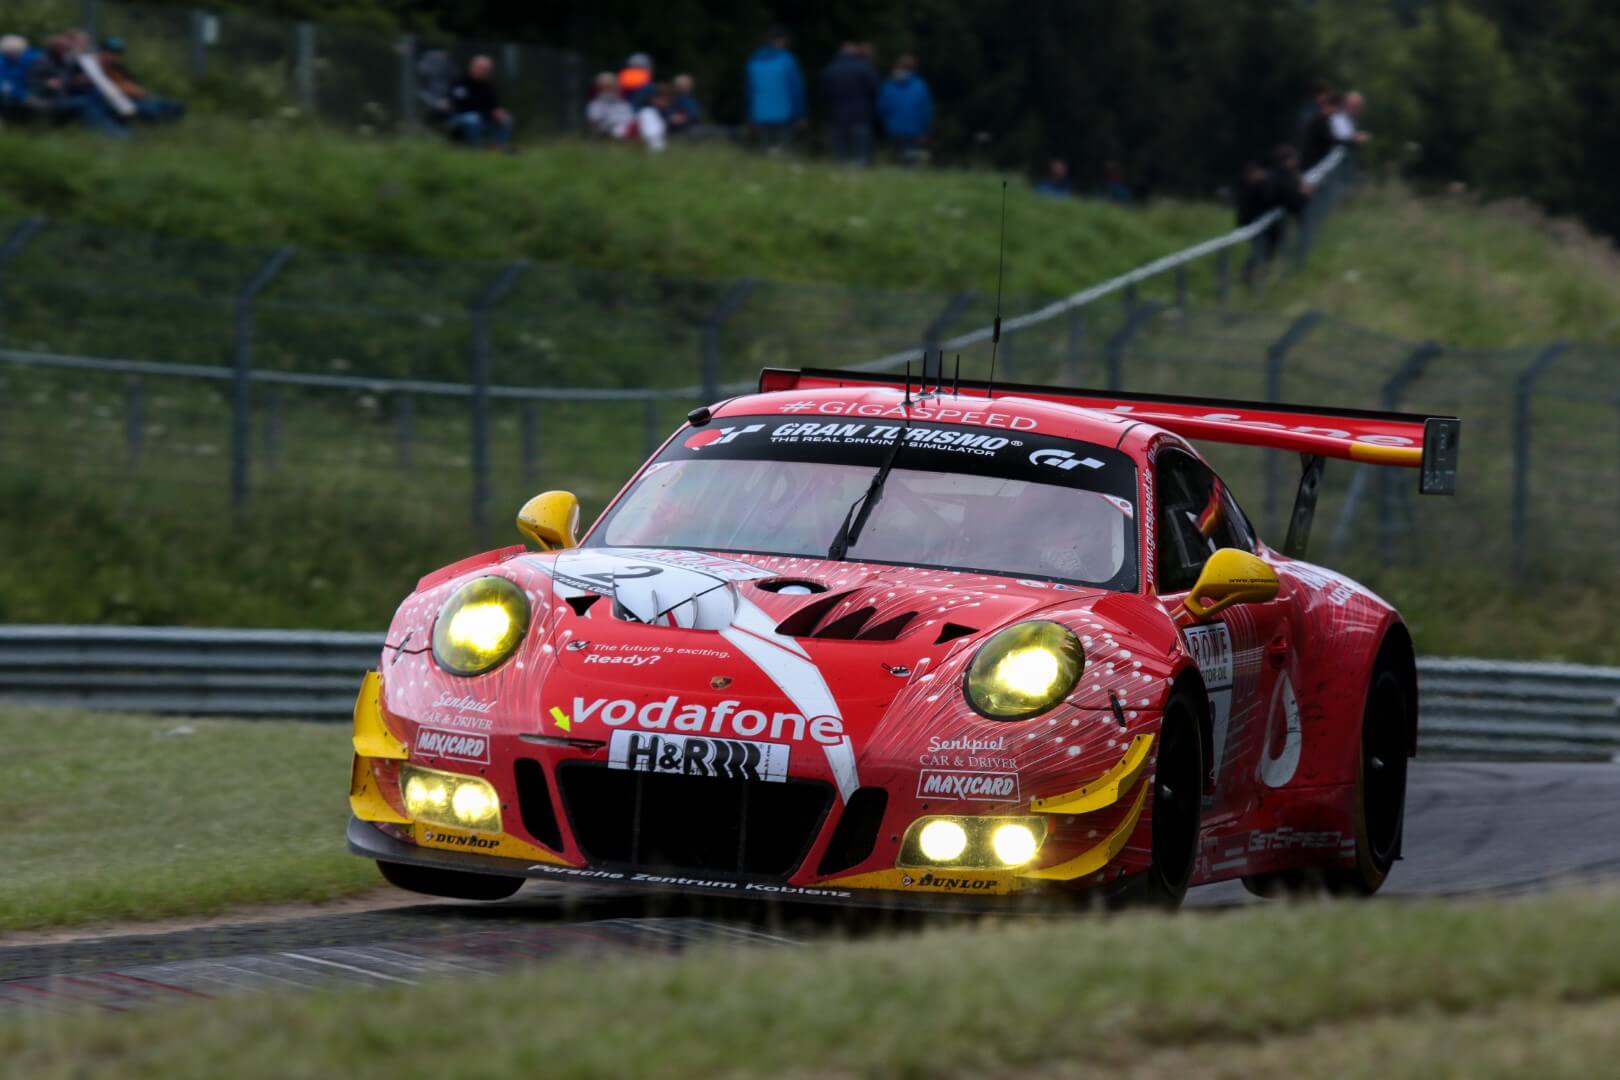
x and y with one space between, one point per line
370 842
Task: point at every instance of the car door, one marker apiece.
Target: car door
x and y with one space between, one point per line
1243 652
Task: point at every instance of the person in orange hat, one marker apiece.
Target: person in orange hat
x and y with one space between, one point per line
636 79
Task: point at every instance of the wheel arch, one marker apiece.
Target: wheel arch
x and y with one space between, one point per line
1396 649
1190 680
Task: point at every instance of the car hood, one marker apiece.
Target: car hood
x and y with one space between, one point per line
848 660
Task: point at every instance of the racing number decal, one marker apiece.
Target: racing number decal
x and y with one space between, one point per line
1211 648
1277 771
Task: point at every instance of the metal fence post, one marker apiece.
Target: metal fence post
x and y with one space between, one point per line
304 64
1411 369
1223 276
242 374
16 241
528 438
134 419
729 303
1075 345
569 72
509 61
197 53
1276 356
1121 340
481 364
405 431
1523 387
407 82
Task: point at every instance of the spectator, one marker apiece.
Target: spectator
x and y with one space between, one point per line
906 110
433 77
1345 122
848 88
608 113
1113 187
1056 180
1263 190
651 127
775 90
636 80
16 58
148 107
684 112
61 90
1319 141
1321 90
475 107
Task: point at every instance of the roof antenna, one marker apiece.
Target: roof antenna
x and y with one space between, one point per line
1001 265
908 382
956 383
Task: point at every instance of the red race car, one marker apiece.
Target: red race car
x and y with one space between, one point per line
852 638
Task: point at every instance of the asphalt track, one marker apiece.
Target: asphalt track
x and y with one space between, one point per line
1499 829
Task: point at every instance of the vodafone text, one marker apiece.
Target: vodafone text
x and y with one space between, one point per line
724 718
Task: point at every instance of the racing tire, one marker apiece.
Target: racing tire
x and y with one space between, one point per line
456 884
1386 723
1178 794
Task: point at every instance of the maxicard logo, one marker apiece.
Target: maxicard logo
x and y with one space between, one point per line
460 745
723 718
976 786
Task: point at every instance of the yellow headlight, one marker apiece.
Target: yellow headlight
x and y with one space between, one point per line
1014 844
1024 670
480 625
972 841
942 840
445 798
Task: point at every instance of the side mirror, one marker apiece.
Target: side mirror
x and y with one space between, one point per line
1231 576
551 519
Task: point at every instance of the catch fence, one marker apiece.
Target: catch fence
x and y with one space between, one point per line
184 380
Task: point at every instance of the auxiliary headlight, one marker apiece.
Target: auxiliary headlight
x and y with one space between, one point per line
480 625
974 842
1024 670
444 798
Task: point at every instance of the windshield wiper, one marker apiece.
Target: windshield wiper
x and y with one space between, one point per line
849 532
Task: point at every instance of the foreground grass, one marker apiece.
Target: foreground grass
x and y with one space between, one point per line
1256 989
119 817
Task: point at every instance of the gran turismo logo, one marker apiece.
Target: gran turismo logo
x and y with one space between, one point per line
719 436
1062 459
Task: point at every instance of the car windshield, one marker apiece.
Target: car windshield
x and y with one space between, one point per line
1014 503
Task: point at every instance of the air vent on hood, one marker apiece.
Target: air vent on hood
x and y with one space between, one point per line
951 631
582 604
791 586
812 621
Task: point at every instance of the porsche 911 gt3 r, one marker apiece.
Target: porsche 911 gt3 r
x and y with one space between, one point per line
850 638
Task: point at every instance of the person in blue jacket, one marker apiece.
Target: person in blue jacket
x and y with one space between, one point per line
16 58
776 106
906 110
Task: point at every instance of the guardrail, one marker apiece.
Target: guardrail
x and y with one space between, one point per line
1470 708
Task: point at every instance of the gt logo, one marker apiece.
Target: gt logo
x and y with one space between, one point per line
718 436
1062 459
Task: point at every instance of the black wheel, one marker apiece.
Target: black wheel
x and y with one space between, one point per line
1386 724
1380 799
1178 792
457 884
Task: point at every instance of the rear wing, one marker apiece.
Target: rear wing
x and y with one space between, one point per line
1405 440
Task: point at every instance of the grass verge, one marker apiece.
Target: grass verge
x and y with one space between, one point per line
1249 987
120 817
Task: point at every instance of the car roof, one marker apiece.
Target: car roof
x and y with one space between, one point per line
1119 430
